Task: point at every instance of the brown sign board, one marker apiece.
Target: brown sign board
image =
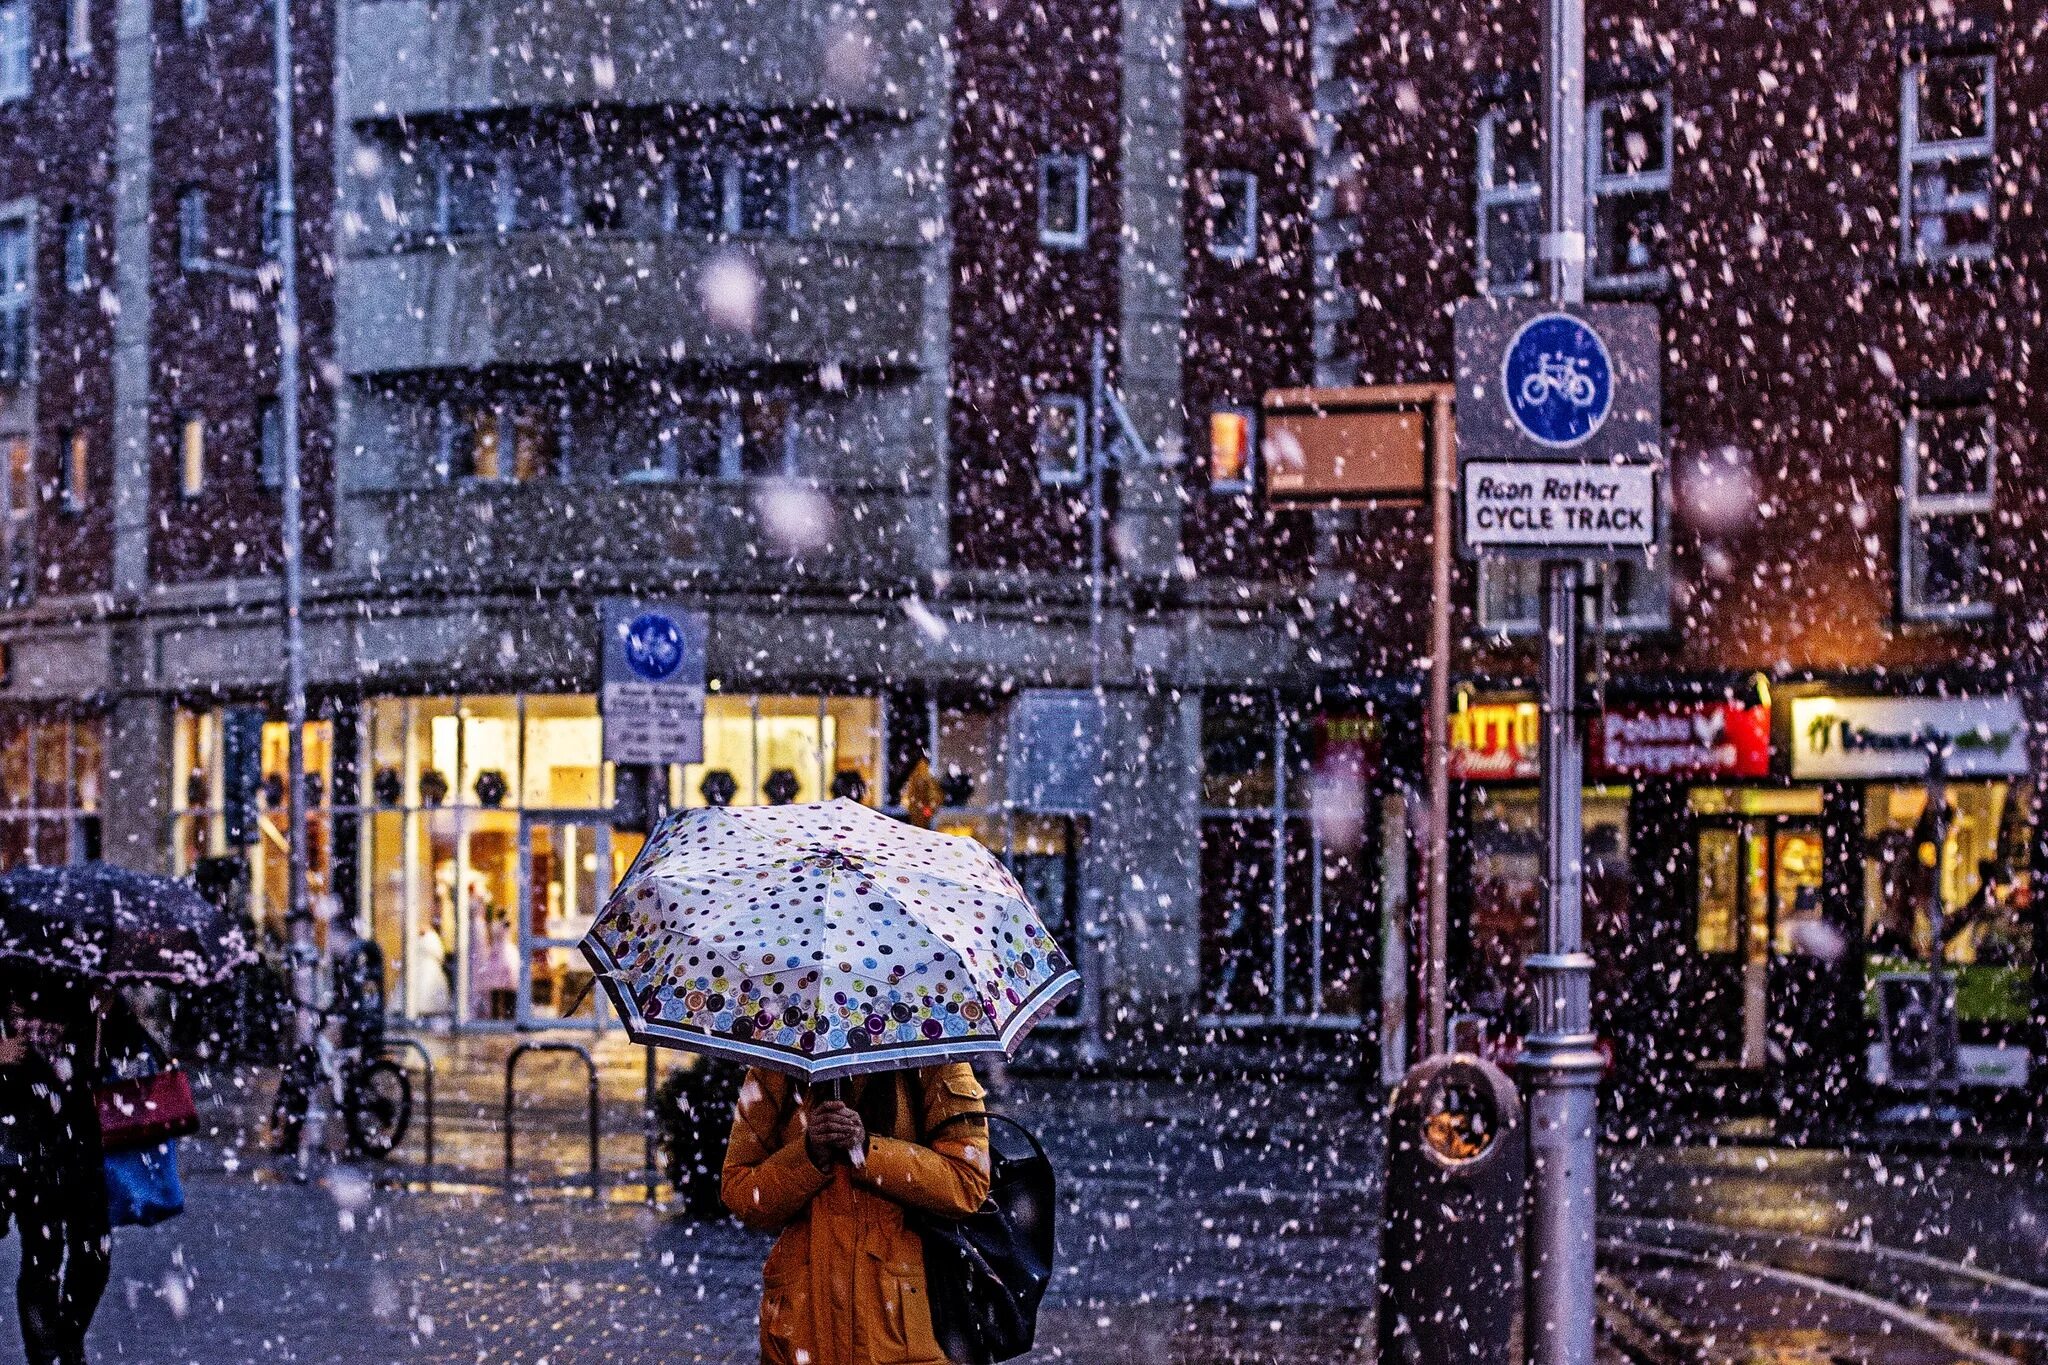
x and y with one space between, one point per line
1347 446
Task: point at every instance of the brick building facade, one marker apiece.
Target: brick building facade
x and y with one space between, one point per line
791 319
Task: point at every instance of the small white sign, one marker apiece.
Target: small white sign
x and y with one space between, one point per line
652 687
1547 504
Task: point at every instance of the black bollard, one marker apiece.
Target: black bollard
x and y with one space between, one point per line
1451 1253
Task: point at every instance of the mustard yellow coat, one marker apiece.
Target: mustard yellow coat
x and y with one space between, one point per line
845 1283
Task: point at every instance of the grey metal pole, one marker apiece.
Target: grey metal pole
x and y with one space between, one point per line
298 909
1560 1058
1937 918
1436 986
1093 1049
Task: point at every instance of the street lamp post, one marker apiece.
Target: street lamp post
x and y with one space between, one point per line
1561 1059
1094 1048
298 908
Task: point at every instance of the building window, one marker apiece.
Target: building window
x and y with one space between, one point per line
1063 200
16 295
1628 185
14 50
1947 138
192 13
470 198
760 195
77 471
78 30
50 774
21 482
1234 216
192 456
192 228
273 243
1948 459
1288 835
1231 434
1060 440
1510 207
77 251
269 444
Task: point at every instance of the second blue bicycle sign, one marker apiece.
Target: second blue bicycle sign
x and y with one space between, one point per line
1558 380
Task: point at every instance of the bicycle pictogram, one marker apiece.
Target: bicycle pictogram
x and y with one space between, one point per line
1562 375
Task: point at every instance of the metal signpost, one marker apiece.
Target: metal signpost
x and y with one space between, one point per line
1565 399
652 697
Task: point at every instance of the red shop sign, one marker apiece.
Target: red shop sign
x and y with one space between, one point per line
1698 739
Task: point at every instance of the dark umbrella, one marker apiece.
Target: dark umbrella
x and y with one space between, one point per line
117 925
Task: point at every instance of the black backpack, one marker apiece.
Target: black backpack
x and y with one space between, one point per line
985 1273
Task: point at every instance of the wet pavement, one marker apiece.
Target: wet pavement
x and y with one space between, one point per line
1199 1225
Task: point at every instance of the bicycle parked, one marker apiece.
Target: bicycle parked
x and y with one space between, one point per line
370 1091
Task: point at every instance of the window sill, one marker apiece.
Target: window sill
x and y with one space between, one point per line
1930 619
1974 272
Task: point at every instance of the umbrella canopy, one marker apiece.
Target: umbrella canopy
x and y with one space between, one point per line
115 924
823 940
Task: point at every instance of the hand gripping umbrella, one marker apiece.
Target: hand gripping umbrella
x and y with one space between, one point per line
823 941
103 921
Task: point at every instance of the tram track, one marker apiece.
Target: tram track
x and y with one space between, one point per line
1675 1290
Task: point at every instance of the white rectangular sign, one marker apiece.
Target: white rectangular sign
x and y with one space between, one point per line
1530 504
652 684
1888 737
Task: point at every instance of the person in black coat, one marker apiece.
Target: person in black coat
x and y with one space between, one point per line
52 1169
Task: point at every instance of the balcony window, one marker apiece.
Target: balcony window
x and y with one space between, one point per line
77 471
1947 140
1230 450
470 201
14 50
760 195
269 444
77 252
1234 216
192 229
1948 475
1060 440
1063 200
20 493
16 296
1510 203
766 434
538 192
1628 185
192 456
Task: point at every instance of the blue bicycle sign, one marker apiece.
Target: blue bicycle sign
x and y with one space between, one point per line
1558 380
654 646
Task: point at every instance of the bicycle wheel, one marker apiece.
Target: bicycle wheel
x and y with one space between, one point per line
378 1106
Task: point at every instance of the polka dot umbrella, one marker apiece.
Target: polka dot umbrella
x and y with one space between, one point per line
823 940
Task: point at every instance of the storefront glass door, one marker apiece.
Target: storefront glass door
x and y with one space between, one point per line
1759 905
570 862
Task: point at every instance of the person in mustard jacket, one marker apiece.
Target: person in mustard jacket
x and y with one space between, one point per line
845 1283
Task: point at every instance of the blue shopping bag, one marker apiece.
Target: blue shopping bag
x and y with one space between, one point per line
142 1186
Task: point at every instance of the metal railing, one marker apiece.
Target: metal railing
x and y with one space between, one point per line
427 1071
590 1070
